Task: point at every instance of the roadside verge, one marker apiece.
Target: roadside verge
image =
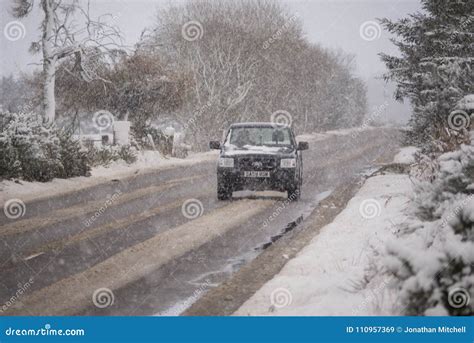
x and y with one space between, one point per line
336 274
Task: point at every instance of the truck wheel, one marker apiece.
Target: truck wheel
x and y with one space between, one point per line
294 192
224 192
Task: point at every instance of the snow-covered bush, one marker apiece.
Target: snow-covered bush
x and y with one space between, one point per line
150 137
107 154
425 167
431 264
74 159
127 153
35 152
452 182
433 257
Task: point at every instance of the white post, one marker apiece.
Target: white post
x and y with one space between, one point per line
121 132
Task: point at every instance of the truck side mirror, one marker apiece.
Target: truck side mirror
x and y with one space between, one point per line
303 146
214 145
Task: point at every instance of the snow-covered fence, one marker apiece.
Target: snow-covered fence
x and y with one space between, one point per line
97 140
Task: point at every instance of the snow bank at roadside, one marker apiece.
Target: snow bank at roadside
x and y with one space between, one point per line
147 161
351 130
332 276
150 160
406 155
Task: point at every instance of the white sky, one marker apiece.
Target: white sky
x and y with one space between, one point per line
333 24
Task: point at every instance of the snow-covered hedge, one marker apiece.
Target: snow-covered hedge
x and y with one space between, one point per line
433 257
35 152
107 154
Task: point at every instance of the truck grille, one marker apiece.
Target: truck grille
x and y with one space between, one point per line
257 163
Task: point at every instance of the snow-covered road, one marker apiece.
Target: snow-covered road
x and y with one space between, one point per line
136 237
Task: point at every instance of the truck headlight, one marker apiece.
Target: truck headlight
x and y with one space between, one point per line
226 162
288 163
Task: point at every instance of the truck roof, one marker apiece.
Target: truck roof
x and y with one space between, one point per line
258 124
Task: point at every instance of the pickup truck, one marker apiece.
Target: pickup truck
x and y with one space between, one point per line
259 156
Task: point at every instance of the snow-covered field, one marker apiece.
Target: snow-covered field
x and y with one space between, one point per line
334 275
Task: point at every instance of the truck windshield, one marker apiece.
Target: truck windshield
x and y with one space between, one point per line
259 136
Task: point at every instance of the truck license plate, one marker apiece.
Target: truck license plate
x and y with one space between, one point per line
256 174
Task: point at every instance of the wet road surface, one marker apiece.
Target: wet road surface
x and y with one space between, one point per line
60 238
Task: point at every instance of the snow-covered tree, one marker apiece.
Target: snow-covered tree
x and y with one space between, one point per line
435 66
67 31
249 59
139 88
